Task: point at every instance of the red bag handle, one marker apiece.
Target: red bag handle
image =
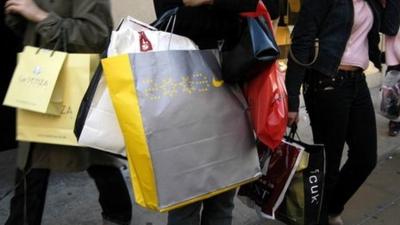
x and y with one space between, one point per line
261 10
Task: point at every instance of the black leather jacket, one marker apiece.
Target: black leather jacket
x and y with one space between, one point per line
205 25
331 21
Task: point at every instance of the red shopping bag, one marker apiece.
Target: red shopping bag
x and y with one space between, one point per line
267 99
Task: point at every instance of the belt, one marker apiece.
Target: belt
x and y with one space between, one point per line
396 67
350 73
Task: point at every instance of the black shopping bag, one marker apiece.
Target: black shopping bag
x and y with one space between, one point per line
303 200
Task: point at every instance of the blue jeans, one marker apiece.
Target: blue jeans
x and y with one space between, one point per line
216 211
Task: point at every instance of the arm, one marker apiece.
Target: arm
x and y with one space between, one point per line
16 22
236 5
87 29
228 5
391 17
205 18
304 34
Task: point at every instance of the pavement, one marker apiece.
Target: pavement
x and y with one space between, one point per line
72 197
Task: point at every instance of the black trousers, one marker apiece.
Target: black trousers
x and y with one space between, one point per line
341 111
113 196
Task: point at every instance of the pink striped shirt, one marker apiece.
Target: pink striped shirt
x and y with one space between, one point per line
356 53
392 50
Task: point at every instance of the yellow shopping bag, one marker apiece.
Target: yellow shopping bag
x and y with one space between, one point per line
34 83
73 82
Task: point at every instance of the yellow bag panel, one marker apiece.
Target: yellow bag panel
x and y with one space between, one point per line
72 83
305 157
120 81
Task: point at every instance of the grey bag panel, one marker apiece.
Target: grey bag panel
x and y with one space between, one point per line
197 133
218 163
162 112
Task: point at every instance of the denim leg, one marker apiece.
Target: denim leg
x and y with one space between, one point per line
339 115
362 154
35 193
114 196
187 215
218 209
329 117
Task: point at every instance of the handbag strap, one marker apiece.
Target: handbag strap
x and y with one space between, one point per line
316 46
316 54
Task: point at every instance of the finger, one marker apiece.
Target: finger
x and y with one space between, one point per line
12 9
10 2
290 122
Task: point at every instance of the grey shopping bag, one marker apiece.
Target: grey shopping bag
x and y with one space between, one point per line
187 133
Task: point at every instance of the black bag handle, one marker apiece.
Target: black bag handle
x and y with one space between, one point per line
293 133
88 98
61 40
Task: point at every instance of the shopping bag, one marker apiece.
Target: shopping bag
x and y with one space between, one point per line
278 168
73 82
187 134
131 36
254 52
390 95
267 99
303 200
34 83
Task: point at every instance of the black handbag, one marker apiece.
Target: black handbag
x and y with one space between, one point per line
255 51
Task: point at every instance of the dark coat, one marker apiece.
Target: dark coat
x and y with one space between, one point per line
206 25
274 8
88 24
331 21
10 46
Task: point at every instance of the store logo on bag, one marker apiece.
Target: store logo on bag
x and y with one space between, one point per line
145 44
315 189
37 70
35 80
66 110
197 83
217 83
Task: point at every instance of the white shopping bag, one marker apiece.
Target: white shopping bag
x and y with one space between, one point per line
101 129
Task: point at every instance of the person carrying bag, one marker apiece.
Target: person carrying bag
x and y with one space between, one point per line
207 22
332 44
88 24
